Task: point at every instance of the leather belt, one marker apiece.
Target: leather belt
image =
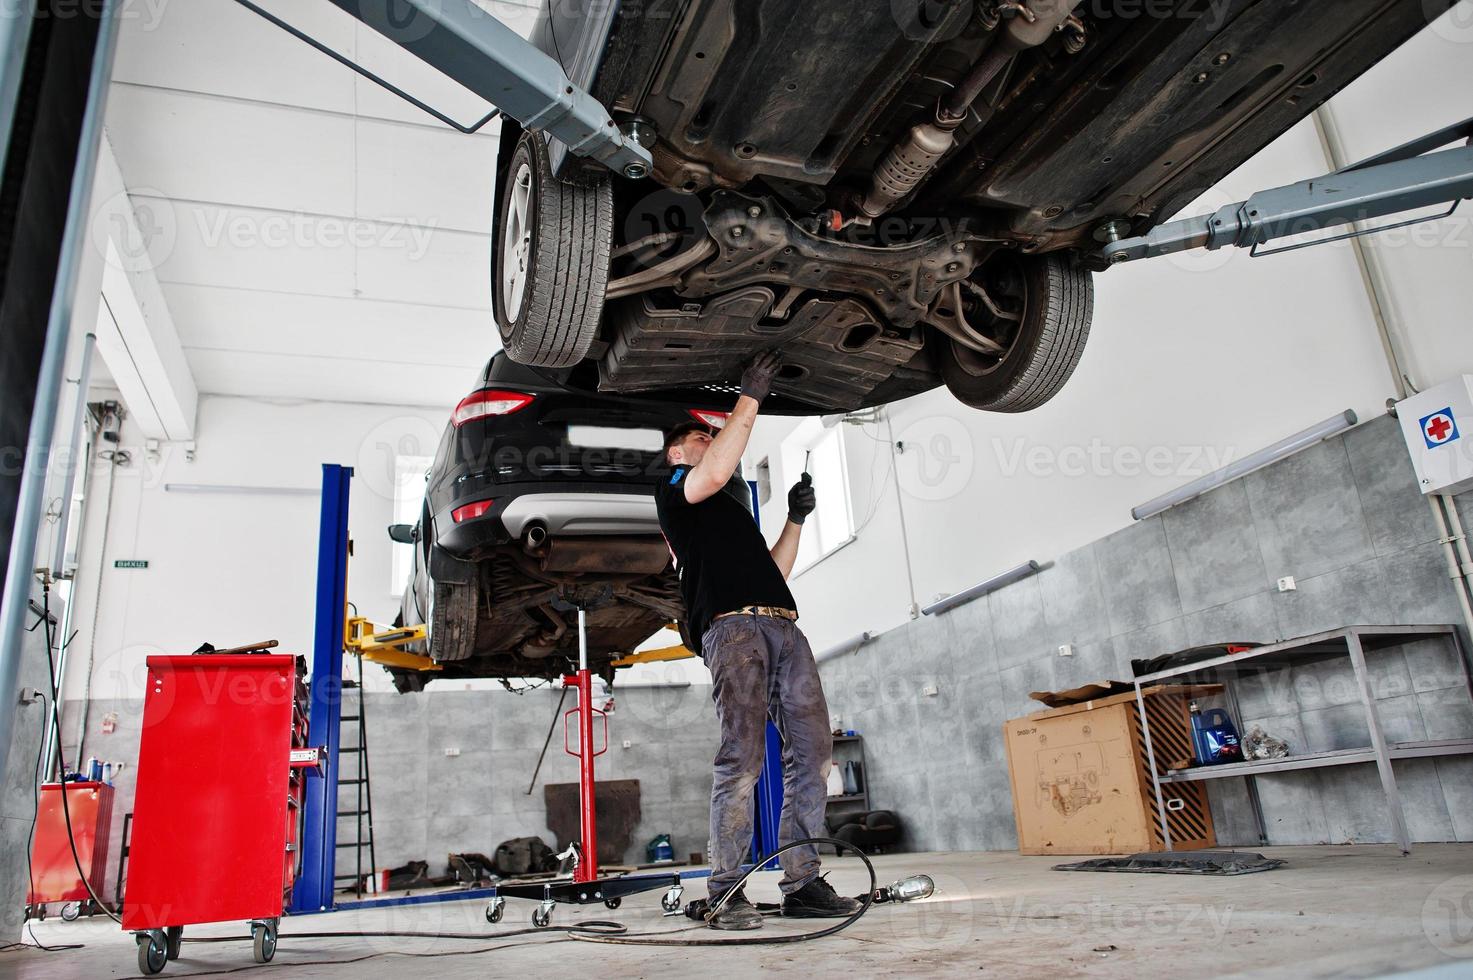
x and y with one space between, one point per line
776 612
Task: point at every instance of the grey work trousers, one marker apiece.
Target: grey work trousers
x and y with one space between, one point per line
763 667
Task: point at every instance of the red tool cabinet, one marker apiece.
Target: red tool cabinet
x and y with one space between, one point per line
216 813
53 870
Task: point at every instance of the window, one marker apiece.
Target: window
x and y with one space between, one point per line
821 451
410 473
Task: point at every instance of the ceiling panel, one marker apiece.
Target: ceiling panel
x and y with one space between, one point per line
198 148
338 379
315 237
433 177
220 47
261 322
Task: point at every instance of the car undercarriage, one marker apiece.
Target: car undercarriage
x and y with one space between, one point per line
901 195
526 600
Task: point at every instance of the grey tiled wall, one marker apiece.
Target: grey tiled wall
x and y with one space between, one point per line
427 804
1343 517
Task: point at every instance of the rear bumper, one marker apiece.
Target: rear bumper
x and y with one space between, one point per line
561 512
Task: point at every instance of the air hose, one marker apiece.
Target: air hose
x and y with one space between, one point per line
653 939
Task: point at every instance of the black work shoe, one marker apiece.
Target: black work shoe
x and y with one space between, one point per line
818 900
738 913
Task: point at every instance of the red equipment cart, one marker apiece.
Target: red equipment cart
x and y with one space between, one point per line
53 868
221 767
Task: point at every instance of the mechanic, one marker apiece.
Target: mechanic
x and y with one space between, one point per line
743 622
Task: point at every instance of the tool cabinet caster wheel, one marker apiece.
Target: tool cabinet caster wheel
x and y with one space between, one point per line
153 952
173 939
671 901
541 917
613 903
263 941
494 909
71 911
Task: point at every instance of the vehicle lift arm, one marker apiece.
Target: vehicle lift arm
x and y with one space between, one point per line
464 42
1403 179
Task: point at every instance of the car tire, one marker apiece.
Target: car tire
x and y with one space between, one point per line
1054 296
453 621
551 263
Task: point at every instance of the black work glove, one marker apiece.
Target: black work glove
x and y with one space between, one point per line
757 378
802 500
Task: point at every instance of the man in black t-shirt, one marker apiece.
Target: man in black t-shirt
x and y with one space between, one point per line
743 622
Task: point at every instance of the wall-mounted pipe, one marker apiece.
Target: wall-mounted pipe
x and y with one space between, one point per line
1253 461
983 588
849 646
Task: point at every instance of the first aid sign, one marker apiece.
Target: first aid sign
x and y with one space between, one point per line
1439 428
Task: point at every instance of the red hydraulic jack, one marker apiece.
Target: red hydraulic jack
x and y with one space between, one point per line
585 887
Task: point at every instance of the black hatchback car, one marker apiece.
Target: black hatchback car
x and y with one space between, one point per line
539 501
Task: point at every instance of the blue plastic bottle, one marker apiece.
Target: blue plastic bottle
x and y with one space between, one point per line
1214 737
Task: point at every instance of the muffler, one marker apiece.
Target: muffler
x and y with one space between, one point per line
622 554
908 162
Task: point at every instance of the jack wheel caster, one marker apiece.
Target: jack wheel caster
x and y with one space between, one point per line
494 910
173 939
541 917
613 903
263 941
71 911
153 952
671 901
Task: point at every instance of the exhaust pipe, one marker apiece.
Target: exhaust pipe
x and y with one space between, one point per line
534 536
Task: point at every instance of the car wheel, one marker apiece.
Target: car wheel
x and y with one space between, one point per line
552 259
1036 312
453 621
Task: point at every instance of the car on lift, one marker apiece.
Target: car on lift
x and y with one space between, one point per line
539 501
897 195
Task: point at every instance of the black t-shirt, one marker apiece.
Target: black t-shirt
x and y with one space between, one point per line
723 561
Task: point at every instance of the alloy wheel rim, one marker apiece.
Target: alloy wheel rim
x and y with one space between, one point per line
516 243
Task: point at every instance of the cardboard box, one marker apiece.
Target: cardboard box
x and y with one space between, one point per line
1081 783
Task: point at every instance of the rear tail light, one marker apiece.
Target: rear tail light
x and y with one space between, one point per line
715 420
487 402
469 512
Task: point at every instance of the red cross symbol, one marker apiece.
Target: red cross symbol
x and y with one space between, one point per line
1439 427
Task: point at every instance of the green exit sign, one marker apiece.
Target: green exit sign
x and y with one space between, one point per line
130 563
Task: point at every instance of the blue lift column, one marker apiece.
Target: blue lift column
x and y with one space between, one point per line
313 891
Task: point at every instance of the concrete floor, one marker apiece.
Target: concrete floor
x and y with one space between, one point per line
1333 911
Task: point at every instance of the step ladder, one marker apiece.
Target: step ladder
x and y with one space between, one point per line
356 778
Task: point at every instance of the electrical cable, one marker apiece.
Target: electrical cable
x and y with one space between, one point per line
30 844
382 82
66 810
648 939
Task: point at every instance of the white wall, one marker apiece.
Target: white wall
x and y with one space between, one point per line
1193 360
233 568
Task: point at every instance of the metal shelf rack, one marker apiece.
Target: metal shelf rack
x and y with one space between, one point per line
1352 642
